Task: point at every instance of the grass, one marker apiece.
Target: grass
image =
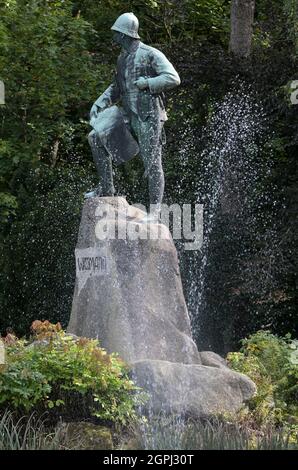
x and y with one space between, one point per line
173 433
27 433
157 433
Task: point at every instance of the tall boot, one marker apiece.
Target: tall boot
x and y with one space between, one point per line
103 162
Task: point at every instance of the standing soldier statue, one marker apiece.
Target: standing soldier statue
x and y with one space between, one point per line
119 133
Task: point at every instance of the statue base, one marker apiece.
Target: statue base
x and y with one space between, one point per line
129 295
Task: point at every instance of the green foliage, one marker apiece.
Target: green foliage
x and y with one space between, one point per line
162 21
8 204
49 79
272 363
290 8
58 372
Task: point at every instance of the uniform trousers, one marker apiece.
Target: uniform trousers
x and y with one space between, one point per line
149 135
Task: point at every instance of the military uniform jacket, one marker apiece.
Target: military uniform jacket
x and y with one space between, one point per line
147 62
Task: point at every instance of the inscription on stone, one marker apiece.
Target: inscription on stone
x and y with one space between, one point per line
90 262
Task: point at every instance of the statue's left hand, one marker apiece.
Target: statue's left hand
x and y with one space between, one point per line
142 83
93 112
93 115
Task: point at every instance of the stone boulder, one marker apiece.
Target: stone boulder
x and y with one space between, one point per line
129 295
135 306
209 358
192 390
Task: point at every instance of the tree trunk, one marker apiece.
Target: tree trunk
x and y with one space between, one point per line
242 16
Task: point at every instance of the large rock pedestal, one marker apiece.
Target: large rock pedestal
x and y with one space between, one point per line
129 295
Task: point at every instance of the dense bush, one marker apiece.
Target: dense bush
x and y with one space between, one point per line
72 377
272 363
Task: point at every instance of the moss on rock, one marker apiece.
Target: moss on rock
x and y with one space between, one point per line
88 436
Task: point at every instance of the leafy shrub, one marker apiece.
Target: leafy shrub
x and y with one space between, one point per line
272 363
65 374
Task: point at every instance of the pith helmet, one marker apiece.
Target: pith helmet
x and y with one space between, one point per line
127 24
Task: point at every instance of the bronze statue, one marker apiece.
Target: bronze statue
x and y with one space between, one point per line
143 74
